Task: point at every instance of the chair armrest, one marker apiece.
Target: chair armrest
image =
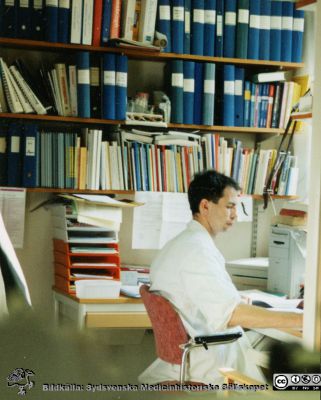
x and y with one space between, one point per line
217 338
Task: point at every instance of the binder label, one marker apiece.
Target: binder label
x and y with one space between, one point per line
287 23
189 85
64 4
298 24
24 3
121 79
83 76
243 16
229 87
219 25
210 17
52 3
209 86
238 88
230 18
165 13
15 144
177 80
265 22
198 16
9 3
178 14
30 146
37 4
109 78
94 76
255 21
276 22
187 22
247 95
3 146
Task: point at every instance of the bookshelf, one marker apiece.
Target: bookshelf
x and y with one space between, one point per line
306 5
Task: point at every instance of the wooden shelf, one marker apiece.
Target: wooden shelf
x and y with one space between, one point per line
275 197
63 190
97 121
142 54
306 5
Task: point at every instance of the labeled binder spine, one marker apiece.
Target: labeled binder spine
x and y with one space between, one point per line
109 82
178 26
229 28
209 27
121 86
177 84
164 22
198 27
188 87
209 94
83 84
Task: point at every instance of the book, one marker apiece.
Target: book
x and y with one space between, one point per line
188 91
17 88
209 27
115 19
208 94
72 79
63 87
247 101
87 22
289 220
51 18
197 39
177 90
76 21
3 155
164 22
147 21
177 26
275 31
105 28
97 22
242 28
109 83
127 19
275 76
229 28
12 98
265 27
254 30
83 84
63 21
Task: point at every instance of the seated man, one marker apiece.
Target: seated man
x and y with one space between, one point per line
190 272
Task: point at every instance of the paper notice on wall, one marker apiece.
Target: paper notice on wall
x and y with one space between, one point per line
162 217
245 209
12 208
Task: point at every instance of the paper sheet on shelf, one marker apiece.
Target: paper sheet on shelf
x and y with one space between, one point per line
12 208
244 209
162 217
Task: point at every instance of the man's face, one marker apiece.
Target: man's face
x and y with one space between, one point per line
221 216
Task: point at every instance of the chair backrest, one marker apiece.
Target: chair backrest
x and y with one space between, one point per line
169 331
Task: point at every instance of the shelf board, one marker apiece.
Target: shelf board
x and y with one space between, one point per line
274 196
96 121
301 115
142 53
55 190
306 5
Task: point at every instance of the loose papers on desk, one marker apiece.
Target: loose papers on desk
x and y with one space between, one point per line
12 208
162 217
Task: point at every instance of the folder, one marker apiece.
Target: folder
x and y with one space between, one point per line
265 27
239 96
24 19
63 21
197 27
164 22
178 26
121 86
209 94
37 20
276 29
177 84
30 156
209 27
297 35
198 94
242 29
83 84
229 95
9 18
229 28
188 92
3 155
105 28
14 155
247 103
109 82
254 30
187 26
286 33
51 18
219 39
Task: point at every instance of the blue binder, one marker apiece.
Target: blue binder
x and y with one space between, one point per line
109 83
83 84
247 103
219 39
265 27
177 95
209 27
24 19
178 26
242 29
105 27
254 91
3 155
229 95
286 33
239 96
198 94
121 86
14 155
263 106
209 94
30 156
9 18
198 27
297 35
37 22
51 18
164 22
63 22
188 92
276 29
229 28
187 26
254 30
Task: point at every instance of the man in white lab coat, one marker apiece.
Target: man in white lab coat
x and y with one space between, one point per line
190 272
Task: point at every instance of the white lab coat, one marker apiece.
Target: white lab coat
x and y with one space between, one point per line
190 273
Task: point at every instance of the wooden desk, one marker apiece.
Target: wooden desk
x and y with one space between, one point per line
123 312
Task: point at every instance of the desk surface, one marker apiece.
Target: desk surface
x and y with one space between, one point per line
118 300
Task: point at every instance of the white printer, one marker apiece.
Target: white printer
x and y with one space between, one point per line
287 252
249 273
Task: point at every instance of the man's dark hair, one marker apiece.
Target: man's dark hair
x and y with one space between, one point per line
208 185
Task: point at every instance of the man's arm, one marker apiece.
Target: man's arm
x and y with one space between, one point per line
249 316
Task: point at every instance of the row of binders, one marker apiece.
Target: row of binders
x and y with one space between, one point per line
202 94
85 88
253 29
138 160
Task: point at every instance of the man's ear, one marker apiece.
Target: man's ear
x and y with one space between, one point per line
203 206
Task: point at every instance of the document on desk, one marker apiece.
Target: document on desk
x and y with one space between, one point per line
163 216
276 303
12 208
